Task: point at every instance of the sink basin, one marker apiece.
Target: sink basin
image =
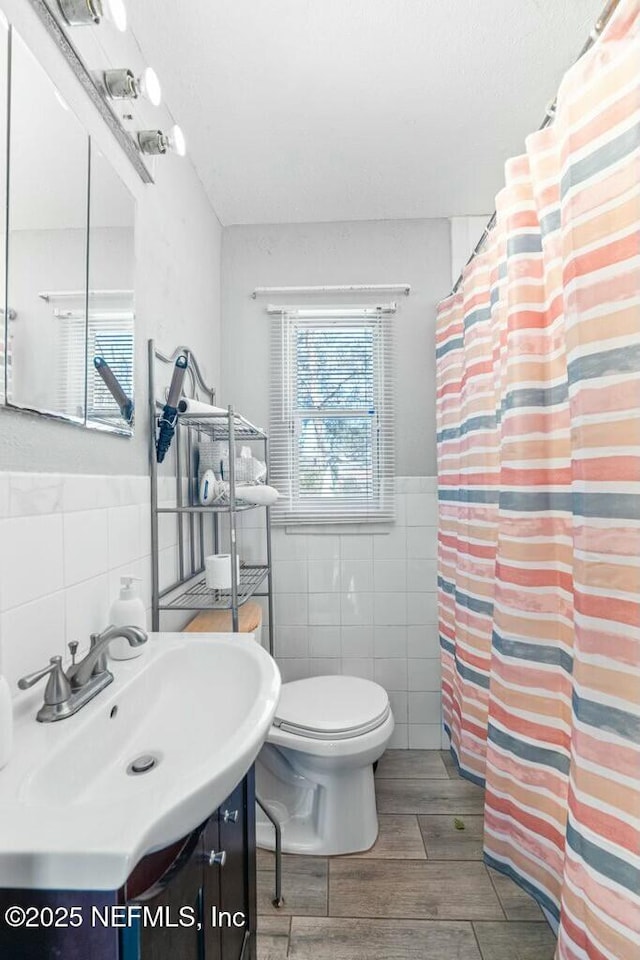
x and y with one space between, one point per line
73 814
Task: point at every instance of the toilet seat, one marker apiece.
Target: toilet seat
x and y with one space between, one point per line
331 708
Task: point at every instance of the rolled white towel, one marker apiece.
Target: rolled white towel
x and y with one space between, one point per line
194 407
259 493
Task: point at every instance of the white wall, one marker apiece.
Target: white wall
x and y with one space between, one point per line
389 251
177 270
363 605
465 233
352 603
65 541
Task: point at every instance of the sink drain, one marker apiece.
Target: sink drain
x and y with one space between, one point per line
143 764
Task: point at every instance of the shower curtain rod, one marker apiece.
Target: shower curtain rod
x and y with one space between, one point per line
598 27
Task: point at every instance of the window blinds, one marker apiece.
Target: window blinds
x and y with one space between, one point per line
108 335
113 341
332 451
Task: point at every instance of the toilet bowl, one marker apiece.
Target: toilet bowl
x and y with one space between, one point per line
315 771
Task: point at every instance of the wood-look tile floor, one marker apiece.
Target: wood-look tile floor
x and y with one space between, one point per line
421 893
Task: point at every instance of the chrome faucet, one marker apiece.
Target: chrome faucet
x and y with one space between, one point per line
66 693
95 662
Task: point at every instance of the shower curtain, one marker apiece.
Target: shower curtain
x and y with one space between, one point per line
538 410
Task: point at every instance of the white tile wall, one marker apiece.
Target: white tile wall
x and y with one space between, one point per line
364 604
64 543
360 604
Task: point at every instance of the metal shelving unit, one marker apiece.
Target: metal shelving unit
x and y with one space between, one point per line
197 596
199 527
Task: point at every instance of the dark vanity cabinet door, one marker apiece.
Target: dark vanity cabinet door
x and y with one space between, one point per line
236 875
220 895
229 895
211 890
178 909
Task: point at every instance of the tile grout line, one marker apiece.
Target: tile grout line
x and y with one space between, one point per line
424 842
445 921
289 936
475 937
495 890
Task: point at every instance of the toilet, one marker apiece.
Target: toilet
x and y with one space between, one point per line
315 771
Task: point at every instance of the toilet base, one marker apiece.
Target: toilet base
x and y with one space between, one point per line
326 813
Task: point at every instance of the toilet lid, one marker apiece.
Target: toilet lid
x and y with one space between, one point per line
331 708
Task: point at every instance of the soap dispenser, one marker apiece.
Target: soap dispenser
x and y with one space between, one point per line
127 611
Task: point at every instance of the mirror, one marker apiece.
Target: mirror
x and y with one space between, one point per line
47 237
6 329
110 303
70 263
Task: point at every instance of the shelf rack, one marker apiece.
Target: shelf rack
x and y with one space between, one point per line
197 596
198 527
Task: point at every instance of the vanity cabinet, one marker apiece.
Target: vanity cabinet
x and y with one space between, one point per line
212 881
236 883
198 898
181 889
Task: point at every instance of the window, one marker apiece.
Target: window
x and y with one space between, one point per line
113 341
108 333
332 455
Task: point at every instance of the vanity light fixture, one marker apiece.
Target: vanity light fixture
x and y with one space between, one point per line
82 12
124 85
156 142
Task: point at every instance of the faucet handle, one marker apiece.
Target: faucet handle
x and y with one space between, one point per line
73 649
58 689
32 678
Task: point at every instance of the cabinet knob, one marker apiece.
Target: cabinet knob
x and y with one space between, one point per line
216 857
230 816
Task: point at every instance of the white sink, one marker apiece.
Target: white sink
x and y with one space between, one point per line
73 817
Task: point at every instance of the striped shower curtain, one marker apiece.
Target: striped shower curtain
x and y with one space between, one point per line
539 489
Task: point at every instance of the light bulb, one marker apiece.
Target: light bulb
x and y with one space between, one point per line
116 12
177 142
150 86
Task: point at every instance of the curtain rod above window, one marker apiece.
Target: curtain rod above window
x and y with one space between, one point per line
343 313
53 295
340 288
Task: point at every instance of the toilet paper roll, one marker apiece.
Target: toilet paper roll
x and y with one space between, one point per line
217 569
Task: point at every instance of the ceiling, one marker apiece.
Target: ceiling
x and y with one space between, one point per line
316 110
